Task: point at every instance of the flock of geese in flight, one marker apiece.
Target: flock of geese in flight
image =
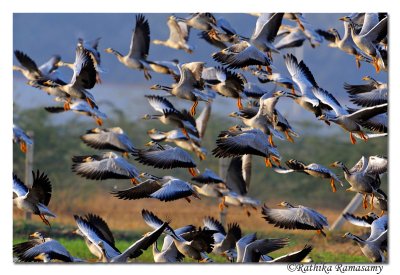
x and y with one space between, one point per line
259 123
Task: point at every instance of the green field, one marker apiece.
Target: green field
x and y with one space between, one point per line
77 247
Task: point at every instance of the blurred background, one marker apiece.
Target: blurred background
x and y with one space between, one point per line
121 97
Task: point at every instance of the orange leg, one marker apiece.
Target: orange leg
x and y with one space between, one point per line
134 181
289 138
352 139
321 232
268 68
381 214
239 103
333 185
22 146
185 132
67 106
267 162
98 79
276 160
293 91
376 65
193 109
271 141
193 172
44 220
363 136
99 121
90 102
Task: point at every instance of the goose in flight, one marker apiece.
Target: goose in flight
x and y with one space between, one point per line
84 78
139 48
178 35
364 177
194 244
171 116
225 82
39 248
367 95
348 121
31 71
373 247
190 85
108 252
166 157
235 143
106 166
21 138
80 107
312 169
295 217
109 139
371 33
166 188
36 198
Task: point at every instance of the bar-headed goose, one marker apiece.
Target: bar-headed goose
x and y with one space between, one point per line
166 188
36 198
106 166
295 217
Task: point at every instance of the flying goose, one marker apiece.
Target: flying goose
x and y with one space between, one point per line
189 86
43 249
169 253
312 169
364 178
372 246
265 31
225 82
139 48
176 136
242 54
109 139
207 177
36 198
234 143
363 221
367 95
345 44
171 116
348 121
193 244
20 137
302 76
220 34
238 179
276 78
264 118
223 240
102 230
368 37
110 254
200 21
166 157
106 166
81 107
166 188
178 35
250 249
84 78
295 217
31 71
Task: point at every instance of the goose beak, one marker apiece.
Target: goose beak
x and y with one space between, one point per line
345 18
108 50
150 143
332 165
233 114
